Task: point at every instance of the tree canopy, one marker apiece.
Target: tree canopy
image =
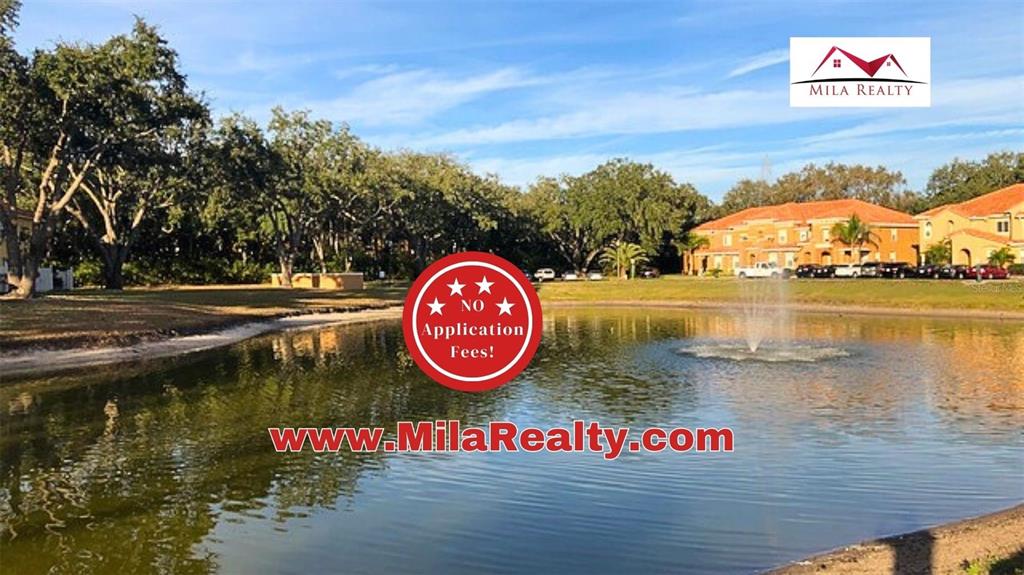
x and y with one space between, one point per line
111 163
961 180
833 181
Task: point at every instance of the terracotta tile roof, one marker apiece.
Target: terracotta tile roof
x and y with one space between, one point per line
997 202
807 211
934 210
996 238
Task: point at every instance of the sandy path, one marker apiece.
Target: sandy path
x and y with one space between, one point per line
939 550
43 361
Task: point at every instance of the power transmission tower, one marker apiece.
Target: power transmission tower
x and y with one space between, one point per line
766 169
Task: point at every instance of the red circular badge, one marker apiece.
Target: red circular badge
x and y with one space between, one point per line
472 321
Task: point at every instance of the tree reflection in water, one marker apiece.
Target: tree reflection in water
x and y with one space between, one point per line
140 468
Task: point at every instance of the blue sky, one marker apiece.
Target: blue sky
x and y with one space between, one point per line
524 89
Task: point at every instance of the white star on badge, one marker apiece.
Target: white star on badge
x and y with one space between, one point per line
435 307
505 306
456 287
484 285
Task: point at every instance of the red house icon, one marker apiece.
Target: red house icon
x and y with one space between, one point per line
869 68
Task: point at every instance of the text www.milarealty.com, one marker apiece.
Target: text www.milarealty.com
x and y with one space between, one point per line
450 436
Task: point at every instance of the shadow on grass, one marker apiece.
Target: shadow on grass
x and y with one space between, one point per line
1012 565
913 553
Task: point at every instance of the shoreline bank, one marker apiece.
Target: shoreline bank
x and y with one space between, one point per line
834 309
943 549
43 361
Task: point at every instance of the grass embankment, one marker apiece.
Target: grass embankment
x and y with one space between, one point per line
89 318
945 295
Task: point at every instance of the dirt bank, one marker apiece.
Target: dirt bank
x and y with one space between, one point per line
946 549
45 361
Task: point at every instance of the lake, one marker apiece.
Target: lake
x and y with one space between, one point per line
166 466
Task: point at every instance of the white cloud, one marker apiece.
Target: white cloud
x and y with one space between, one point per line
966 102
409 97
661 111
366 70
763 60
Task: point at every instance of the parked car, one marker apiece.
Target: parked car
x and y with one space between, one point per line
570 276
870 270
760 270
847 271
544 274
988 272
805 270
828 271
928 271
650 273
897 270
955 272
595 276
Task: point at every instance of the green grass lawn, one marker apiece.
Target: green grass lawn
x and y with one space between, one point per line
97 317
998 295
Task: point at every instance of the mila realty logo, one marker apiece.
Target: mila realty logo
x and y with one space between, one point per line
860 72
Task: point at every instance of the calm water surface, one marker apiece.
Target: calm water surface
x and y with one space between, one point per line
166 467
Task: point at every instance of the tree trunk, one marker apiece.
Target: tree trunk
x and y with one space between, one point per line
24 280
589 259
25 264
114 257
286 261
319 248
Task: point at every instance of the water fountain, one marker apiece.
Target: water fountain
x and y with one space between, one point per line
767 327
764 314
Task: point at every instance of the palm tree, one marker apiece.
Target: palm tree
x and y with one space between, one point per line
1001 257
688 245
623 256
854 233
939 254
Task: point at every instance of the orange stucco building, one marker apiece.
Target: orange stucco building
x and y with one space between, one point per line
978 227
797 233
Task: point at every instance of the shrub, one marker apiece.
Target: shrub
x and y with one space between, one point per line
88 273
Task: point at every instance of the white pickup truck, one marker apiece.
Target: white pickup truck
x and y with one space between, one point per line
760 270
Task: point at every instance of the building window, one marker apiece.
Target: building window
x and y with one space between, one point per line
894 235
727 240
718 262
825 235
892 256
837 63
803 235
1003 227
783 236
928 229
735 262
